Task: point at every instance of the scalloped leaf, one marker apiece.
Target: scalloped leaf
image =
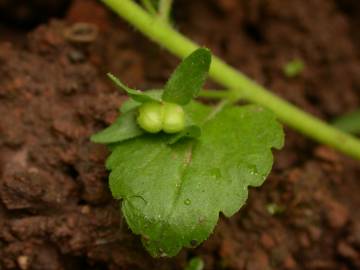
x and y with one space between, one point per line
172 194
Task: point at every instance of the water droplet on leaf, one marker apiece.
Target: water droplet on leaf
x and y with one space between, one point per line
187 202
253 170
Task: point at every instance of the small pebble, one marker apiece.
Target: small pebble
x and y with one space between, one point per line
347 251
76 56
23 262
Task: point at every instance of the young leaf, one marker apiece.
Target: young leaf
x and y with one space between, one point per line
172 194
188 78
192 131
349 122
195 264
293 68
131 103
137 95
125 127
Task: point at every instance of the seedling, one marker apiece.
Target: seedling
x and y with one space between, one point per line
349 122
195 263
275 209
237 83
294 68
176 163
173 186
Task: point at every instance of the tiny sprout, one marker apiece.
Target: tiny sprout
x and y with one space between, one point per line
195 263
293 68
155 116
274 208
157 169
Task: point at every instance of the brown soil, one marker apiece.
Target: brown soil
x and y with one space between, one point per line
56 211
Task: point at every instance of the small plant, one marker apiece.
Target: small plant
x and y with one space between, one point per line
293 68
195 263
173 183
176 163
160 31
349 122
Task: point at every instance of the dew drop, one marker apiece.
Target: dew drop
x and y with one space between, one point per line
187 202
253 170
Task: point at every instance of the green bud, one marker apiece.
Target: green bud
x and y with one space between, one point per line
154 117
150 117
173 118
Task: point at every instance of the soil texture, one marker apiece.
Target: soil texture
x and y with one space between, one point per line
56 211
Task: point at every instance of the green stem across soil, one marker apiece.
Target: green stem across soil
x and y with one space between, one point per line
240 85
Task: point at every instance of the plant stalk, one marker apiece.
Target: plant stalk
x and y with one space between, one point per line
240 85
149 7
165 10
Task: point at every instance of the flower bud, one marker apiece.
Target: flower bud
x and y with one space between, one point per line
173 118
150 117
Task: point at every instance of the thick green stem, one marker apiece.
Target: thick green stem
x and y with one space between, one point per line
242 86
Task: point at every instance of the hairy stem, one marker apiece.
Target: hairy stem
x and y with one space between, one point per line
239 84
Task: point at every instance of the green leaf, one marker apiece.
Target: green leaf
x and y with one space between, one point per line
188 78
125 127
172 194
293 68
137 95
131 103
192 131
195 264
349 122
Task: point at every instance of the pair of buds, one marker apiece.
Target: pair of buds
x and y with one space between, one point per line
161 116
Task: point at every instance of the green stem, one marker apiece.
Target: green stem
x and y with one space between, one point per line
242 86
165 10
149 6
